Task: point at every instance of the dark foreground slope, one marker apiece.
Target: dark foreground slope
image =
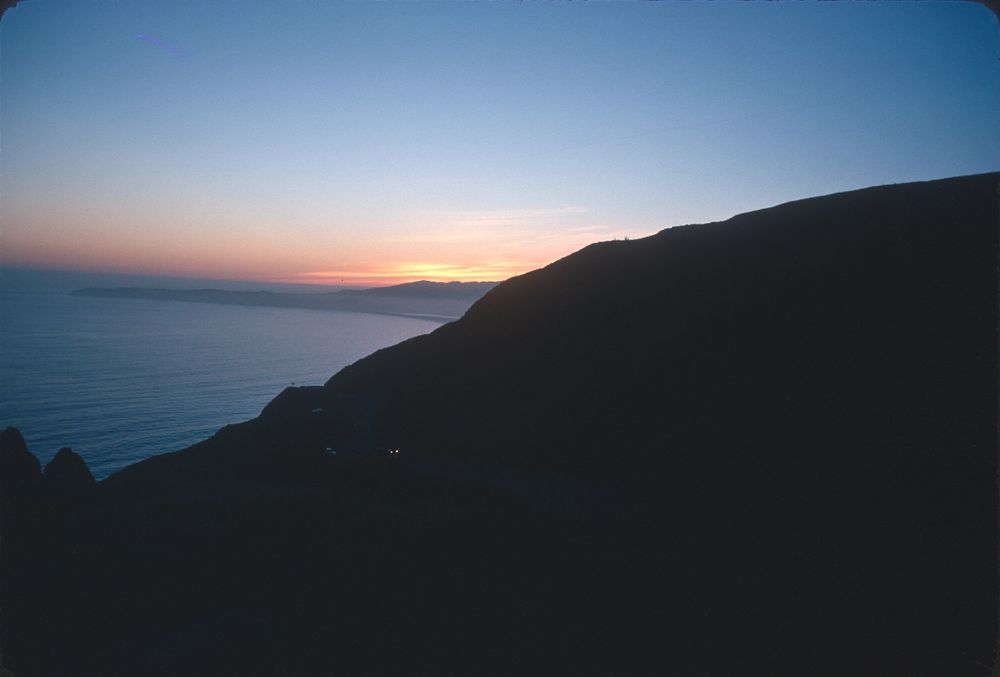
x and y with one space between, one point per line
762 446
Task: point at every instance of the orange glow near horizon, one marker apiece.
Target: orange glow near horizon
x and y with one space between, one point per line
236 265
440 247
411 272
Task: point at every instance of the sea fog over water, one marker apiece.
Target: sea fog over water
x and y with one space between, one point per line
120 380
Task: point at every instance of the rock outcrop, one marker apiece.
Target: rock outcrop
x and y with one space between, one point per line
20 473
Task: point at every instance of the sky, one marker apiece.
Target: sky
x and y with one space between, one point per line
368 143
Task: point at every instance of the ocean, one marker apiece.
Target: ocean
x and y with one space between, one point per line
120 380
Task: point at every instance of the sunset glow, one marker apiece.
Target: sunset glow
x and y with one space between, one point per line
411 272
375 143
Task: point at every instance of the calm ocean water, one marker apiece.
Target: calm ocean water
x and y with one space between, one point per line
120 380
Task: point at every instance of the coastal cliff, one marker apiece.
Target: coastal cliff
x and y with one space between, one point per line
761 446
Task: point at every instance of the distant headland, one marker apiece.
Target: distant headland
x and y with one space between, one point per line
435 301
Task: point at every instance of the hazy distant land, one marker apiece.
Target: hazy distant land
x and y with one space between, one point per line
436 301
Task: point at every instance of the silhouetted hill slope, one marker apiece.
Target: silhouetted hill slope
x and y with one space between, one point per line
441 301
764 446
814 384
865 318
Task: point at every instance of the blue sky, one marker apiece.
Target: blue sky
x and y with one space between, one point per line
376 142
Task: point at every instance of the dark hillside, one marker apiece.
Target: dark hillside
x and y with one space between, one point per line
814 385
856 315
764 446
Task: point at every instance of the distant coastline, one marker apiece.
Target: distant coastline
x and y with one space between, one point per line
433 301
